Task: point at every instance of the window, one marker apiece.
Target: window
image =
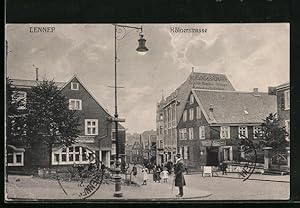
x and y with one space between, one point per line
182 134
225 132
191 99
161 117
185 154
198 112
243 132
113 135
20 97
184 115
15 158
287 128
201 132
91 126
160 130
256 131
75 104
113 149
287 99
71 155
191 133
74 86
191 114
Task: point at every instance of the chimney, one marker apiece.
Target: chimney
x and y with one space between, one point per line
37 74
255 92
271 90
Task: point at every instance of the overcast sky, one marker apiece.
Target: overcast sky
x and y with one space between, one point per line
251 55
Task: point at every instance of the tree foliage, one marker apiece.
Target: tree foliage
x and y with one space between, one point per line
272 135
15 115
49 119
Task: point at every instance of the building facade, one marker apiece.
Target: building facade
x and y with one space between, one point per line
169 110
213 122
283 106
96 132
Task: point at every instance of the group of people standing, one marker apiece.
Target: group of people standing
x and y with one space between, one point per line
162 173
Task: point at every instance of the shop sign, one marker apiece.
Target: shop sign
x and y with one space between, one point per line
213 143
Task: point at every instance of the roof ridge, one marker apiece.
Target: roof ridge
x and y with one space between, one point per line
233 91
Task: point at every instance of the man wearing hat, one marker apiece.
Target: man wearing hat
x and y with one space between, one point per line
179 178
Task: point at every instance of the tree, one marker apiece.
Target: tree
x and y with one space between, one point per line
49 119
272 135
15 115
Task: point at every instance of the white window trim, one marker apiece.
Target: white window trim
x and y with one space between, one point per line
75 100
113 149
198 109
67 162
246 130
191 133
222 129
14 163
184 115
76 84
201 132
287 100
191 114
86 126
185 149
191 99
256 129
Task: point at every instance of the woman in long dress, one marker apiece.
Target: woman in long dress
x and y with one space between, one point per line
145 175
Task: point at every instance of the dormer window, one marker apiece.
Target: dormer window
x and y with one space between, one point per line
74 86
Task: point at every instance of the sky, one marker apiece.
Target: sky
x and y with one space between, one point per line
250 55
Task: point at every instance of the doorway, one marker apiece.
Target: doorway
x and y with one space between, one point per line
212 156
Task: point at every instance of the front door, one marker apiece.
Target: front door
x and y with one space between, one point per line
212 156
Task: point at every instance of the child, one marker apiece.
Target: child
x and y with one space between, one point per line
145 175
165 174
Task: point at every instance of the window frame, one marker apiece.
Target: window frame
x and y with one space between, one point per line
60 152
72 86
239 132
14 155
286 99
86 126
222 129
191 114
191 133
75 100
256 129
201 132
198 112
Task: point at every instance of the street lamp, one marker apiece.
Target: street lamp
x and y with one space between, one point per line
142 50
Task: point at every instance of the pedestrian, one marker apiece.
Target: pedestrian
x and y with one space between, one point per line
102 166
134 170
165 175
179 178
145 175
223 167
154 173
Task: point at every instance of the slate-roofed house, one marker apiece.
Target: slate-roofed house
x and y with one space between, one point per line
96 131
212 121
170 110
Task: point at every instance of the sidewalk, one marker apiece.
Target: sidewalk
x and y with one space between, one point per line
254 176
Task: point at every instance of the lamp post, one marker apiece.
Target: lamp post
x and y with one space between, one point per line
142 50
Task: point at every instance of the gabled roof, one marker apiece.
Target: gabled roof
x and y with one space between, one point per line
282 86
232 107
22 83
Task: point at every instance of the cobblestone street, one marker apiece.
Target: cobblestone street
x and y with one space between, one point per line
260 187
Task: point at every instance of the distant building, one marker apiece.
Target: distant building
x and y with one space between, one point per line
149 140
283 105
96 132
134 153
213 120
170 110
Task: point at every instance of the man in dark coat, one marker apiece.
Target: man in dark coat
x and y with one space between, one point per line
179 178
